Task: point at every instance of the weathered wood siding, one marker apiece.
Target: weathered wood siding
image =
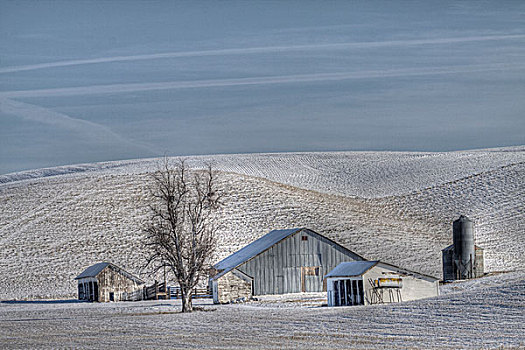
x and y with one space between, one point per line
280 269
111 281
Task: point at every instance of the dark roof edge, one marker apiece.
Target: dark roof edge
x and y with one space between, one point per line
410 271
450 246
338 244
245 276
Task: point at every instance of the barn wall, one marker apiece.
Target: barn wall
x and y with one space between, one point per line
449 269
230 287
278 270
414 286
111 281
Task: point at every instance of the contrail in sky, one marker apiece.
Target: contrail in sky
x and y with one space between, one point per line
282 79
255 50
92 131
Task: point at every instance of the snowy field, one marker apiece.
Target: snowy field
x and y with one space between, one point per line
52 227
359 174
483 313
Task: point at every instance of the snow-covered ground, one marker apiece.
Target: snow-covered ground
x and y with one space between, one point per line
392 206
484 313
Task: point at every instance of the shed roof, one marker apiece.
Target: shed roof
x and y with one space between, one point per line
357 268
351 268
94 270
252 250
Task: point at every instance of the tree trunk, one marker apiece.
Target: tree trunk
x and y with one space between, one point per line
187 305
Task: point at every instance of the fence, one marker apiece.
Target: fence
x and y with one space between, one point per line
174 293
160 291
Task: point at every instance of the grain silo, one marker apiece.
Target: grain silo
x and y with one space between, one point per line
463 259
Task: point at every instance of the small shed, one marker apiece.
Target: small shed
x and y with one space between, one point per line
375 282
105 282
282 261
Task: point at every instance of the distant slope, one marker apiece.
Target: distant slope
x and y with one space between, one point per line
51 227
360 174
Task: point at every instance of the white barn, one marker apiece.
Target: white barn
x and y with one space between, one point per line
282 261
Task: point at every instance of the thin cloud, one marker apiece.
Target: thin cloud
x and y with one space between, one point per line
283 79
256 50
92 131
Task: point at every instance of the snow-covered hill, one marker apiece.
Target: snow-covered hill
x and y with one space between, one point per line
393 206
361 174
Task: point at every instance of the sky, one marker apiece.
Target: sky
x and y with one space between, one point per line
90 81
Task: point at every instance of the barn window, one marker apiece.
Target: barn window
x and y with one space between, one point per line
304 238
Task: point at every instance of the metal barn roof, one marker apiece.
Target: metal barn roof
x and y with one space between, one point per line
253 249
351 268
94 270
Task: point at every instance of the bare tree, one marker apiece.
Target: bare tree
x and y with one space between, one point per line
181 230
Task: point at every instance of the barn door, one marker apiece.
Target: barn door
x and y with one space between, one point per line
95 291
309 277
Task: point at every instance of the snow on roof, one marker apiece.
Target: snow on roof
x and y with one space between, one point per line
252 250
94 270
351 268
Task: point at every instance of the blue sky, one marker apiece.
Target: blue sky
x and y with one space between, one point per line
84 81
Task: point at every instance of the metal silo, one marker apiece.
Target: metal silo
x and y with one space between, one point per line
464 250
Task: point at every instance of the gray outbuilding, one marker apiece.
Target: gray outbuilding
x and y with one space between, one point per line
376 282
283 261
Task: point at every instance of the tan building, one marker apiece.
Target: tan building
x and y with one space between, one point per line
374 282
106 282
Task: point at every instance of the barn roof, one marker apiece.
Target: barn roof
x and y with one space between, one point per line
94 270
351 268
252 250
